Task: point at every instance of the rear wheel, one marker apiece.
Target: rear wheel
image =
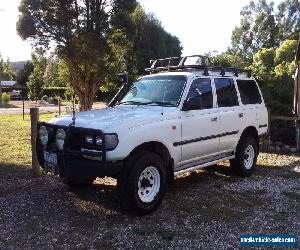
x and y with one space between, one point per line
245 156
142 185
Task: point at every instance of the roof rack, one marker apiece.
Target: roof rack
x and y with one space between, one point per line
192 63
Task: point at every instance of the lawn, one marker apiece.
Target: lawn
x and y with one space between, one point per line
206 209
15 151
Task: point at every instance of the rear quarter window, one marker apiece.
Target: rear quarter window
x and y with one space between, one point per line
249 92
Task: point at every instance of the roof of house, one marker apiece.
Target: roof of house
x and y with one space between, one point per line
10 84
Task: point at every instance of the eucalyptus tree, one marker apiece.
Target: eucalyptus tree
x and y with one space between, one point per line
78 30
95 38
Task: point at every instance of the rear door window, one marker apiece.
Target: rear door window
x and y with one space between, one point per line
226 92
249 92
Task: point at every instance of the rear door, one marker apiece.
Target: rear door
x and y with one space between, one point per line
230 113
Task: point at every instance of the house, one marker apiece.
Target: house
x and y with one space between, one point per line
10 85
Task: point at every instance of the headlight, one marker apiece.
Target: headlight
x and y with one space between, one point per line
89 139
43 134
111 141
60 139
98 140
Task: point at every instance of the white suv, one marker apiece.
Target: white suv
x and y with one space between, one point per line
179 119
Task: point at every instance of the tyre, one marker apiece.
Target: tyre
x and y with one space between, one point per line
142 184
245 156
78 183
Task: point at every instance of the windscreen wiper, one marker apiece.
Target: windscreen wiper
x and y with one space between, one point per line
129 103
167 104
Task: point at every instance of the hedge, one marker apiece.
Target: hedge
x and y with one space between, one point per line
63 91
54 91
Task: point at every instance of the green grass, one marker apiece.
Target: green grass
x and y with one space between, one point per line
15 148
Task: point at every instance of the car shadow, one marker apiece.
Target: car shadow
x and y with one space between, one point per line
100 192
104 191
10 168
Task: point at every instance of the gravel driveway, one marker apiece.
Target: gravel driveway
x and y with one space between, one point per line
207 209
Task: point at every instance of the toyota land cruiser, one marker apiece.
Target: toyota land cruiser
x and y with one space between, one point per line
175 120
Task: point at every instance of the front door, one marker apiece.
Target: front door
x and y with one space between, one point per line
200 125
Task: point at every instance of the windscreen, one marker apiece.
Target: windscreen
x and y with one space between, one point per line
158 90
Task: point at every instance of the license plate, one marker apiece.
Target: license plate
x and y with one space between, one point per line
50 158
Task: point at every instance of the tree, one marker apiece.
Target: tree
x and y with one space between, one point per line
51 71
263 27
79 30
274 69
288 20
160 44
7 72
82 32
257 29
23 76
36 78
229 59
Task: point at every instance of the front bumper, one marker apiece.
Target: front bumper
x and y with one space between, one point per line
76 160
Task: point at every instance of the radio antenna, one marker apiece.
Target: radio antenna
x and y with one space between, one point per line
162 108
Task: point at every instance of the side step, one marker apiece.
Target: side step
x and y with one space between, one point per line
189 169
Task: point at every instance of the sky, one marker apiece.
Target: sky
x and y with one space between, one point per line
201 25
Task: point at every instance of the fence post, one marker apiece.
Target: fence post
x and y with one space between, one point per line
0 94
59 111
34 117
23 102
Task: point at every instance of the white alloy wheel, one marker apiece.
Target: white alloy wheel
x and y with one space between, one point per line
249 155
148 184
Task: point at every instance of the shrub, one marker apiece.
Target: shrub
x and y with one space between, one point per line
54 91
45 98
54 100
5 98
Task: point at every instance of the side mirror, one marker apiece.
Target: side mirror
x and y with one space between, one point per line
123 77
193 103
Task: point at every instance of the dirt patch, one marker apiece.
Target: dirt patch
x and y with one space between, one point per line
204 209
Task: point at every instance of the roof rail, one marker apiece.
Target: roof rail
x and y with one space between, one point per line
192 63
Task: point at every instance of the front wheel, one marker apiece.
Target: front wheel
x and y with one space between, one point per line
245 156
142 185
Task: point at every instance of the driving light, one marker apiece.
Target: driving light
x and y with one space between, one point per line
111 141
60 139
43 135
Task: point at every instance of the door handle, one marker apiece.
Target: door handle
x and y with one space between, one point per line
214 119
241 115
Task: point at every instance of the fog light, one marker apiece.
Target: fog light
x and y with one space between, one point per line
60 139
43 135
